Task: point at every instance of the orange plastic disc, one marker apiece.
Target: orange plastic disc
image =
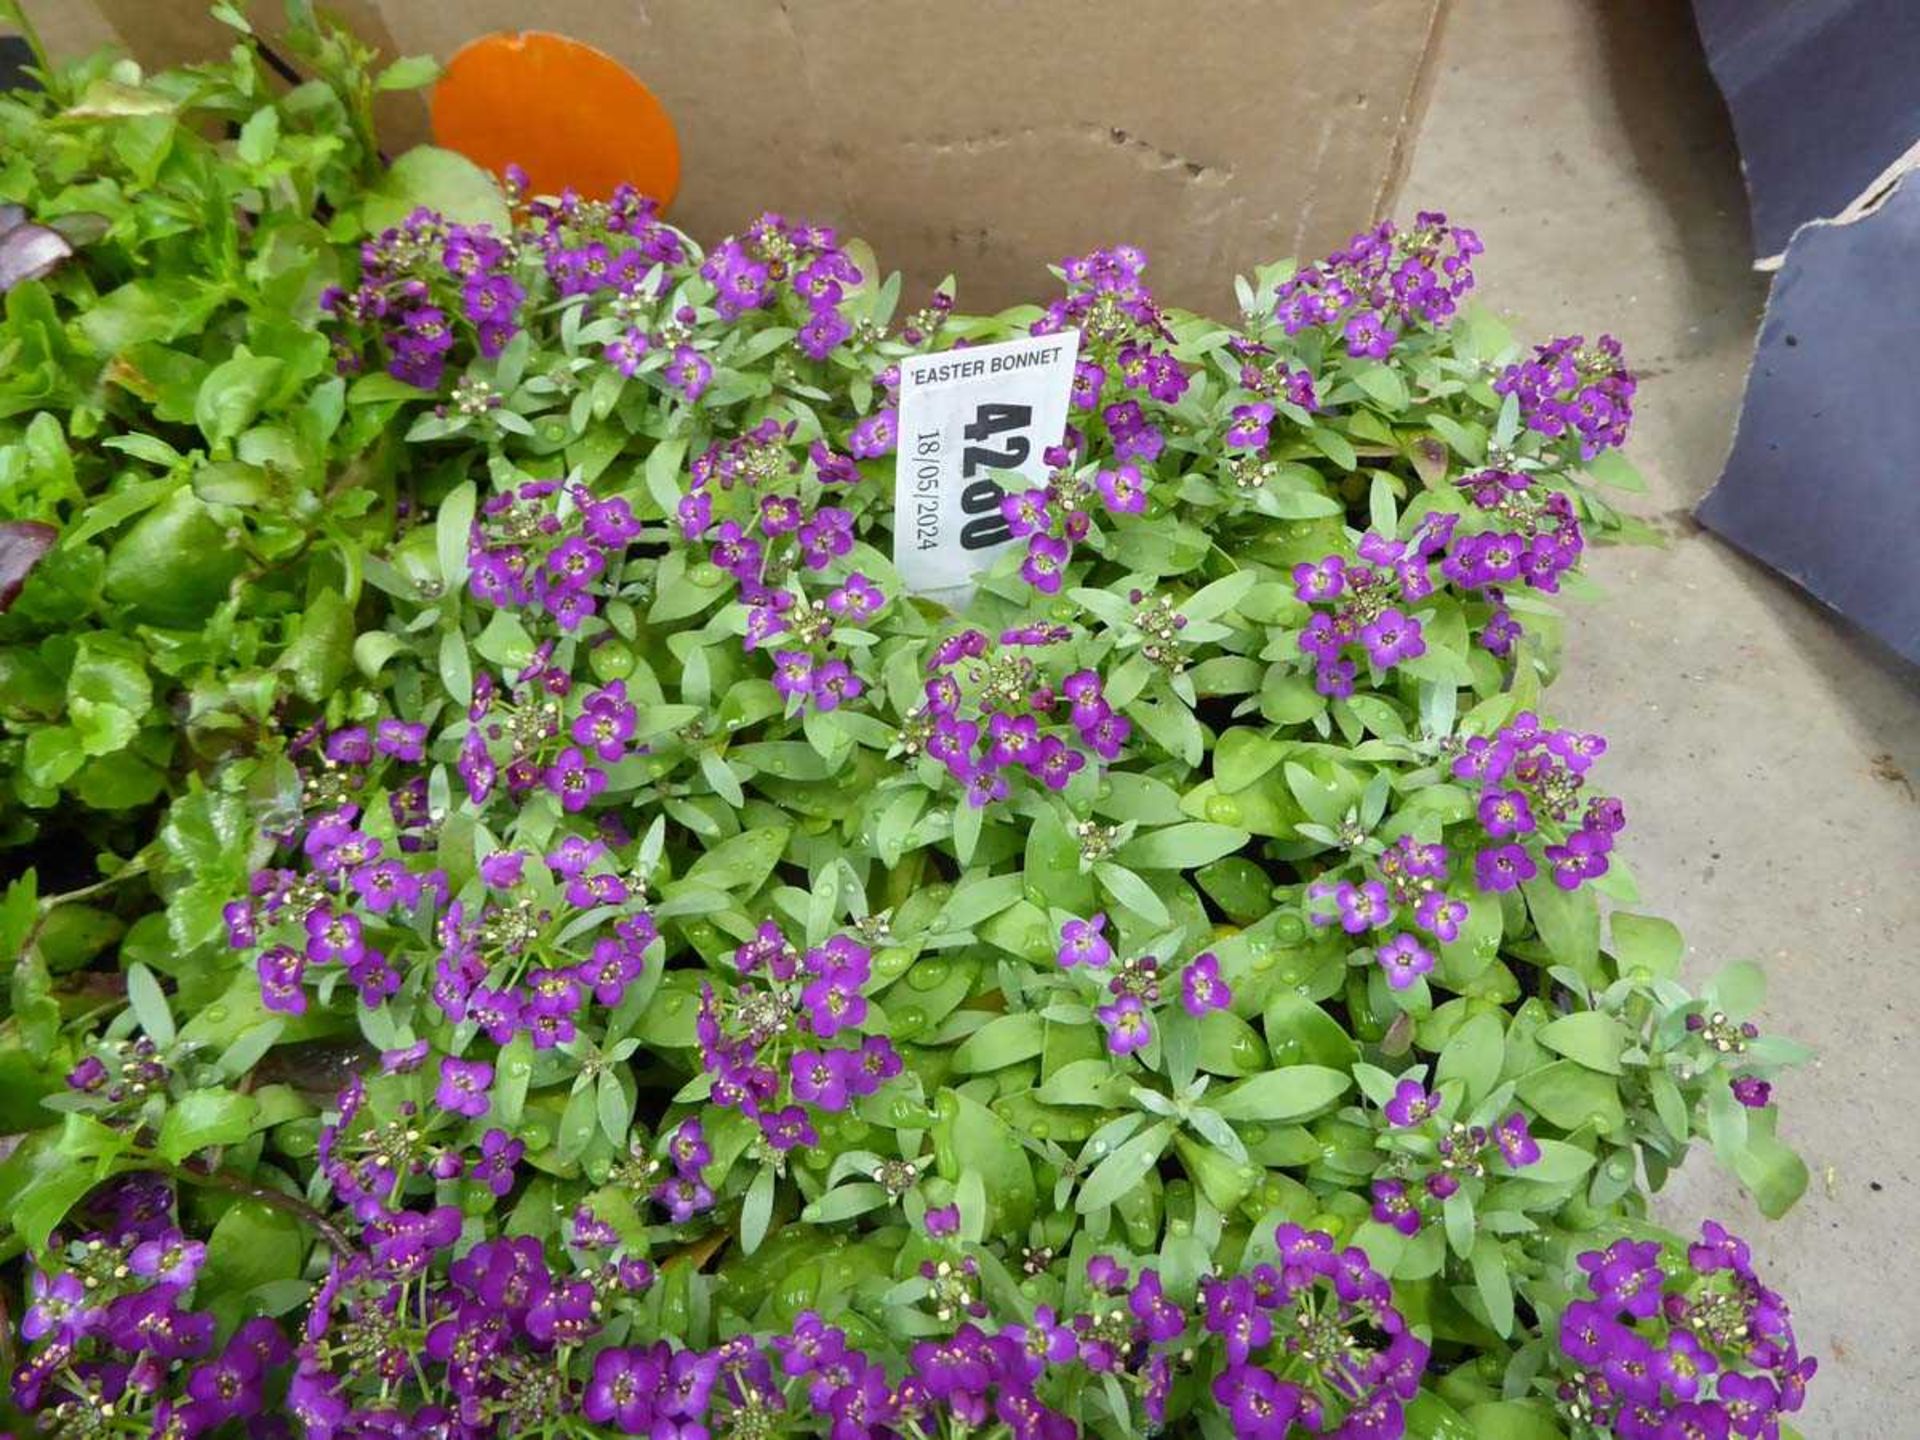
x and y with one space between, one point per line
566 113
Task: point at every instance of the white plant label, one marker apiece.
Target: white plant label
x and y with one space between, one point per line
968 417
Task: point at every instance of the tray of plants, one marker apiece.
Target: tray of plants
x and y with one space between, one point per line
525 923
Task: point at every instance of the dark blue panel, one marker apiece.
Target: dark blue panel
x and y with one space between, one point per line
1825 95
1824 480
15 57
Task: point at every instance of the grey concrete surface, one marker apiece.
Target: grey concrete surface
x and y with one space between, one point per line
1768 756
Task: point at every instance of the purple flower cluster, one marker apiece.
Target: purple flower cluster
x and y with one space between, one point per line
495 969
748 503
786 1041
1108 302
370 1165
405 1338
777 257
116 1080
549 548
1319 1313
1410 888
1538 542
601 248
351 902
1134 984
991 713
1461 1153
1367 604
1385 280
1127 370
423 285
1321 1317
1724 1041
1275 382
1569 389
1530 781
328 916
1666 1352
114 1338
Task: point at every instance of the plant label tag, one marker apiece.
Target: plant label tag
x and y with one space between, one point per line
972 422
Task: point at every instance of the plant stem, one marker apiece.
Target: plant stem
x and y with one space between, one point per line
134 867
267 1195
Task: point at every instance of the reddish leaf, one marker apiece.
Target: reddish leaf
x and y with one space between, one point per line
22 543
28 252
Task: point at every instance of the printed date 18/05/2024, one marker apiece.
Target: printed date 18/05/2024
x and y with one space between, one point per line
985 525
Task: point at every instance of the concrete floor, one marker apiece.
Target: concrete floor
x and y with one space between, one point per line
1768 755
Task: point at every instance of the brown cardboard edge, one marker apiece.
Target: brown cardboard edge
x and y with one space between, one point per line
1413 113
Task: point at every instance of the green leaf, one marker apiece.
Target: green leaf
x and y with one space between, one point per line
663 473
1489 1263
1612 468
1214 600
1570 1095
845 1202
1514 1420
1084 1082
1773 1173
1052 867
233 393
1003 1041
35 1010
968 1137
149 1004
50 1184
456 666
409 72
1186 846
1739 989
322 649
259 136
977 898
253 1244
1242 756
1125 1168
1133 892
53 754
1456 1214
204 1119
1474 1056
452 534
1333 445
615 1108
250 1047
512 1076
741 864
1558 1164
107 693
1326 798
756 1210
439 180
1569 923
1383 385
232 482
1292 1092
1594 1039
1646 942
578 1122
1669 1105
1299 1030
175 563
1431 1418
373 650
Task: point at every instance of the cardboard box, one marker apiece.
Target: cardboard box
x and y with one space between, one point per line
982 138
